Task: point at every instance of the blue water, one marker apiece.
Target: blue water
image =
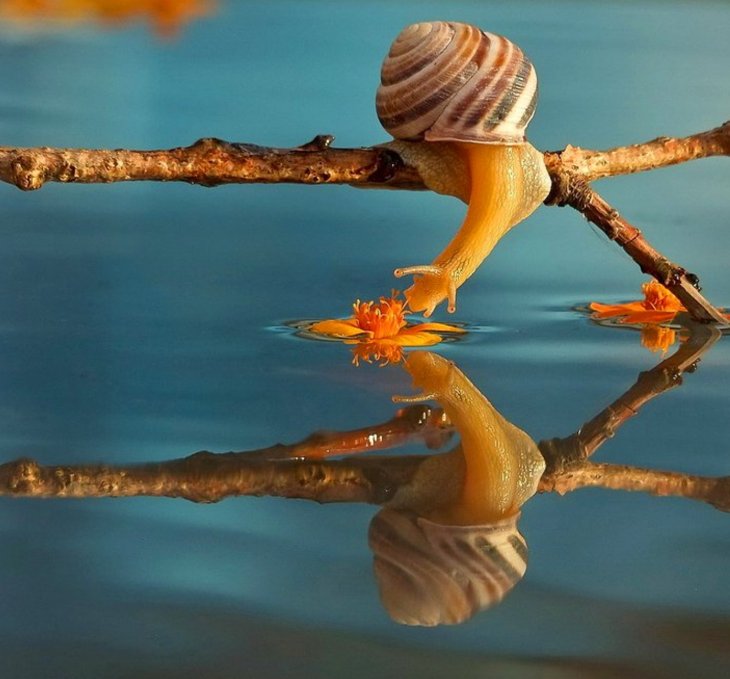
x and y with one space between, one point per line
144 322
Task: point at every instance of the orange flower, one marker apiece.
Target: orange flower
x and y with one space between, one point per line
658 306
380 330
166 16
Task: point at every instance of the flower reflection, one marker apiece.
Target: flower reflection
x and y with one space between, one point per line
379 331
447 545
166 16
657 338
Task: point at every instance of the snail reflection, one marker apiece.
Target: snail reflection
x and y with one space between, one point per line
446 541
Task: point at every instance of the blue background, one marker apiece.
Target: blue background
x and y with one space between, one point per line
143 322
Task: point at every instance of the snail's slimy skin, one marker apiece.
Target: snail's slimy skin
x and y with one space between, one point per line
501 463
502 185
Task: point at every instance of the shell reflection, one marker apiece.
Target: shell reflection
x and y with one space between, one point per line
447 545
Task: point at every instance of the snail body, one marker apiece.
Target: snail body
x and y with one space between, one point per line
458 100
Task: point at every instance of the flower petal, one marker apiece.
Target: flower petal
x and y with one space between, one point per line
649 317
338 328
612 310
435 327
417 339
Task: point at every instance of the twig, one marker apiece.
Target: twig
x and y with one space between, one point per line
660 152
211 162
569 189
413 423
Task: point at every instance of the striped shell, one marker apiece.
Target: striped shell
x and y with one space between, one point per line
429 574
445 81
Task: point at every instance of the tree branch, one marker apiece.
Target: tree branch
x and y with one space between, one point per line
570 189
660 152
208 477
211 162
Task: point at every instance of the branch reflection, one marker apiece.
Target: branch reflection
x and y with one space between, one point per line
446 543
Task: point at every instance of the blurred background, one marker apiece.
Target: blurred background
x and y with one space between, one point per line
144 322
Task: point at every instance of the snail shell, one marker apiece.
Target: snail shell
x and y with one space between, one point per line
446 81
430 574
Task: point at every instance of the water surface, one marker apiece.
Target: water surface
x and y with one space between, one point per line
145 322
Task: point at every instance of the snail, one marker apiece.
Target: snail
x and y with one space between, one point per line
457 101
447 545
